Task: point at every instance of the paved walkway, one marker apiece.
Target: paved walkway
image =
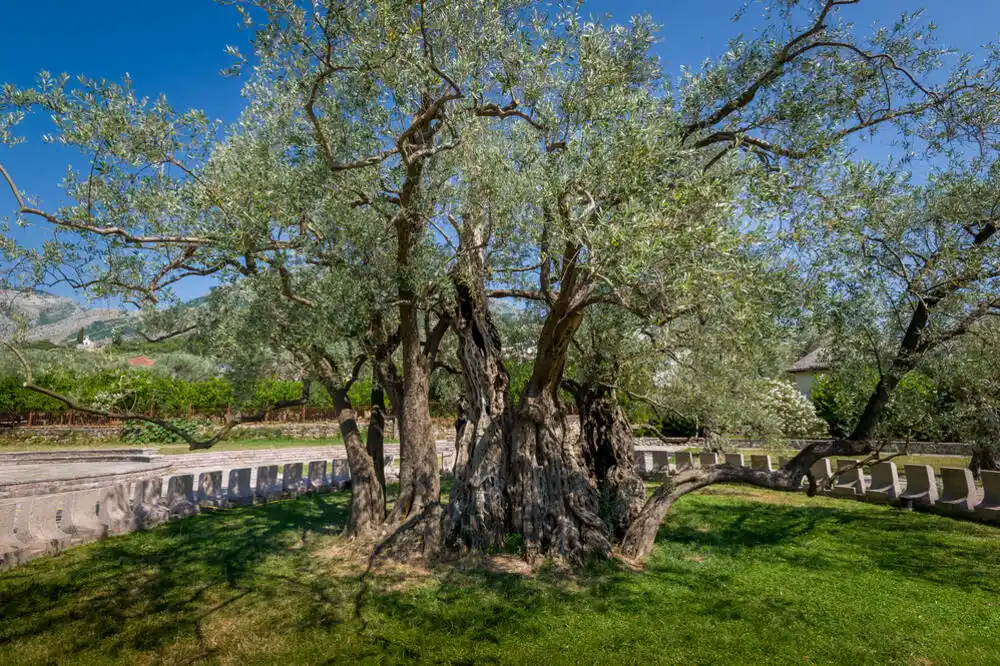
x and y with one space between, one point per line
71 470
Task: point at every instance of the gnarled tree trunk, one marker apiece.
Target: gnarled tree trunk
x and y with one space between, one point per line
641 534
477 514
554 505
985 455
606 440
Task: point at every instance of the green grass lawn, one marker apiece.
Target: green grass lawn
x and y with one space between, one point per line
739 575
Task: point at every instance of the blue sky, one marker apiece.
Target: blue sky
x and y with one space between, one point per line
177 48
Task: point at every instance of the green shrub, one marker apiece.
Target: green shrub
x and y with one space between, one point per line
144 432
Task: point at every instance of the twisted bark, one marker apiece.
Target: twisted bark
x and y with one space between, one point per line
477 514
641 534
606 440
554 504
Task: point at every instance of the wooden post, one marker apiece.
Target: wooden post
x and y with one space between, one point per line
31 418
267 415
189 410
150 410
303 413
71 417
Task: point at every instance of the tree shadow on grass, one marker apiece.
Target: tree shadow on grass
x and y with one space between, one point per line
930 548
154 592
177 573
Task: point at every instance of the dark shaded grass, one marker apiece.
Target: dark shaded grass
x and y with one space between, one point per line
740 575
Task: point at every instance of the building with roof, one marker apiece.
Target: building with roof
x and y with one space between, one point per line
806 369
141 362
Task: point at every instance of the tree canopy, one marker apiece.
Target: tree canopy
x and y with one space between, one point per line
402 167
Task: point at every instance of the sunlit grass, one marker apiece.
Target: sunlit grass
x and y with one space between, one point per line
740 575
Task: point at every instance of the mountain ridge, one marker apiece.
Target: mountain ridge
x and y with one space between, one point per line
56 319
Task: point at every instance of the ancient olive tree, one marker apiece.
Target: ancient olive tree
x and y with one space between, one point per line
400 164
640 196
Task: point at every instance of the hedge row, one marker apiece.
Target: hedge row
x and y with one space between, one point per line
141 390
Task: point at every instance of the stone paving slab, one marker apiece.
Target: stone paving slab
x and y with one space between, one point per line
66 472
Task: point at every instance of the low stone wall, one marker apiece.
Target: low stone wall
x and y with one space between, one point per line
40 524
954 494
37 525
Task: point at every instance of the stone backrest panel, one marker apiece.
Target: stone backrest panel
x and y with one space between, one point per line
885 483
921 486
761 462
708 459
958 490
683 460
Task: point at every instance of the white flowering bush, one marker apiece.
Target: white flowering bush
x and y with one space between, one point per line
788 411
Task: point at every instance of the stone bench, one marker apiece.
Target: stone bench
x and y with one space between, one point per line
885 483
660 463
958 491
10 547
210 489
921 486
735 459
292 483
81 516
268 485
340 473
761 462
850 479
821 471
643 461
683 460
181 499
317 480
239 490
36 526
147 504
708 459
989 508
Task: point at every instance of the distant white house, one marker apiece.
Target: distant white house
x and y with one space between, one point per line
88 344
806 369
